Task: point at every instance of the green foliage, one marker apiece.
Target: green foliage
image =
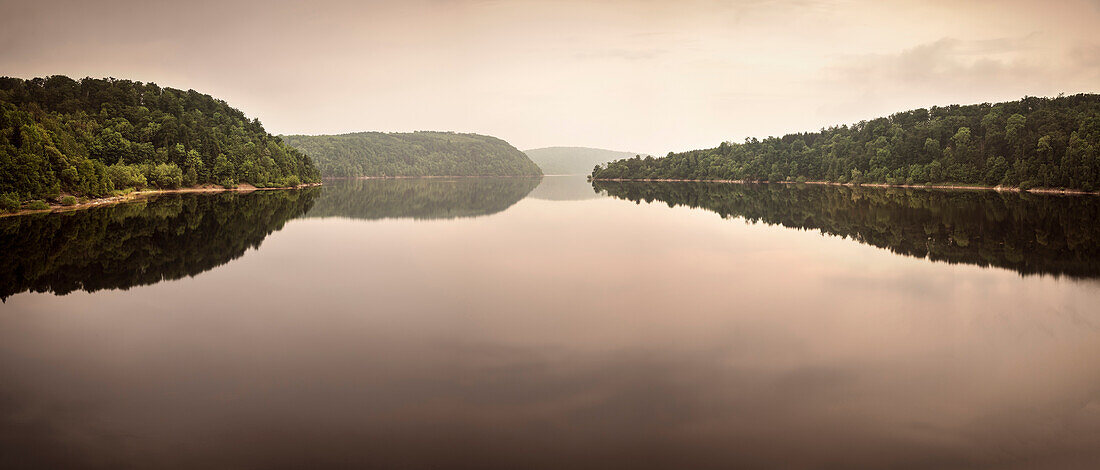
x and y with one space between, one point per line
9 202
413 154
1033 142
68 200
36 205
164 176
127 176
91 137
1028 233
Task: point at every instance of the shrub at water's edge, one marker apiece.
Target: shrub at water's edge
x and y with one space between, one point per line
92 137
1029 143
413 154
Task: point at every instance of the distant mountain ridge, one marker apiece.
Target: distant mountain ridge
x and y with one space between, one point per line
573 160
422 153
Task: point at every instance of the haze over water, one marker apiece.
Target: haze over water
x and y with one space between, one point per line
475 323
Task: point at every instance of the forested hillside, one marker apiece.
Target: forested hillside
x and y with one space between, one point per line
1033 142
413 154
92 137
572 160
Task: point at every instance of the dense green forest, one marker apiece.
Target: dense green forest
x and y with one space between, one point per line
572 160
1028 233
413 154
1033 142
92 137
422 199
125 245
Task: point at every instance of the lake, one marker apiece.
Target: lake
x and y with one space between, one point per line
526 323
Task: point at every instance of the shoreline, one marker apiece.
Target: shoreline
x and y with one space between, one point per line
345 178
873 185
148 193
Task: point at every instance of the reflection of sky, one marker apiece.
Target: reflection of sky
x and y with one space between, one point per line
564 188
599 331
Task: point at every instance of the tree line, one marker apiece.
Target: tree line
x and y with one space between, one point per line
413 154
1032 142
94 137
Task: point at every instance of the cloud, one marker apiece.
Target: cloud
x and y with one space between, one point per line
646 74
950 68
1086 57
622 54
947 61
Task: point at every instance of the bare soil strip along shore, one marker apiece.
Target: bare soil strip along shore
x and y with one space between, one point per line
427 177
872 185
145 194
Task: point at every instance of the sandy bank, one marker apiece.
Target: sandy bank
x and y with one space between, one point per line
341 178
147 193
873 185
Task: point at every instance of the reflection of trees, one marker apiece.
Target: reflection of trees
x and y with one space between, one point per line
140 243
1031 234
416 198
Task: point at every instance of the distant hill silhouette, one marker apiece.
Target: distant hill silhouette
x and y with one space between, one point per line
413 154
573 160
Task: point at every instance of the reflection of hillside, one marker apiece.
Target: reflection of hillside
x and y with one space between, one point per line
576 161
1028 233
564 188
420 198
128 245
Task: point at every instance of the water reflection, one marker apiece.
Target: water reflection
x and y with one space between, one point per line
420 198
590 334
564 188
126 245
174 236
1028 233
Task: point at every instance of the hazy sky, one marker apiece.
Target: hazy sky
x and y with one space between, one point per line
637 75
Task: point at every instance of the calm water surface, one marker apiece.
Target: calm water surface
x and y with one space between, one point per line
513 323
